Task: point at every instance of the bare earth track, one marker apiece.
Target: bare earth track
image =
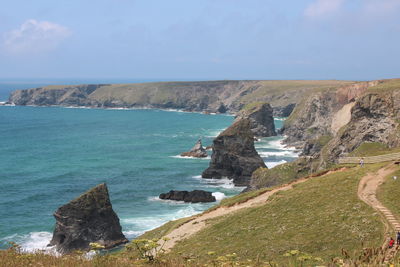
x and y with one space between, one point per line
367 190
200 222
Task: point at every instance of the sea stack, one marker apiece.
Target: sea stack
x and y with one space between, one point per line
194 196
234 155
261 119
197 151
86 219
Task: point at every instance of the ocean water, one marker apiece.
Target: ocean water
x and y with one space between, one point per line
50 155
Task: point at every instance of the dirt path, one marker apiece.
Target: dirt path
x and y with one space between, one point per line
198 223
367 189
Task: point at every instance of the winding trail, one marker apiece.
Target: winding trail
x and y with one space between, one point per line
199 222
367 189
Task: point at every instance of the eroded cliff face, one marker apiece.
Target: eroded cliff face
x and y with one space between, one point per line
64 96
329 124
311 119
374 118
261 119
205 96
234 155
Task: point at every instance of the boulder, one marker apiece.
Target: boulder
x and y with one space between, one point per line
197 151
195 196
86 219
261 119
234 155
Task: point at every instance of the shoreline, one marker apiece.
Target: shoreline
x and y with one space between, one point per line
35 238
7 104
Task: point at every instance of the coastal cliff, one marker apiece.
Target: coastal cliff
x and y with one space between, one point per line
204 96
332 123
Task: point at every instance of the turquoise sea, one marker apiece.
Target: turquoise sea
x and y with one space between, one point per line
50 155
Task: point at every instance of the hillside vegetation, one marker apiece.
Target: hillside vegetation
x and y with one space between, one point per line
319 217
211 96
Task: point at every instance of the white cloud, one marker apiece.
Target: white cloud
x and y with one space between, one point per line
321 8
382 7
34 37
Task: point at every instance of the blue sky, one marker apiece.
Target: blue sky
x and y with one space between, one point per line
200 39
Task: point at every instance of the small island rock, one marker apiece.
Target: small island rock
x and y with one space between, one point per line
87 219
197 151
194 196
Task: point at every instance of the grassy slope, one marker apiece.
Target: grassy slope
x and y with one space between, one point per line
386 86
319 217
372 149
389 193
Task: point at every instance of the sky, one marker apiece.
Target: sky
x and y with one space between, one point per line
200 39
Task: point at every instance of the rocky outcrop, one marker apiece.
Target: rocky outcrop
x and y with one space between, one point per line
261 119
234 155
284 111
374 119
311 119
330 124
197 151
86 219
194 196
57 95
204 96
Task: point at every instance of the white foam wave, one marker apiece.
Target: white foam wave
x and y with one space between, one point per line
37 241
165 200
278 154
141 224
275 144
221 183
272 164
132 234
279 119
214 133
32 242
180 157
219 196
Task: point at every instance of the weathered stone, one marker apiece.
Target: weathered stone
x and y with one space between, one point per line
194 196
86 219
234 155
197 151
261 119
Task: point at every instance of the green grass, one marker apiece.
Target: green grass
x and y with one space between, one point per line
372 149
166 228
280 174
389 193
386 86
320 217
243 197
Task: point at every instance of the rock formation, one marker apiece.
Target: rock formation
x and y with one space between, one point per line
234 155
86 219
374 119
261 119
197 151
204 96
194 196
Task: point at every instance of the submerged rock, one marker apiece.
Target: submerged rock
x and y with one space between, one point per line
261 119
234 155
197 151
195 196
86 219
